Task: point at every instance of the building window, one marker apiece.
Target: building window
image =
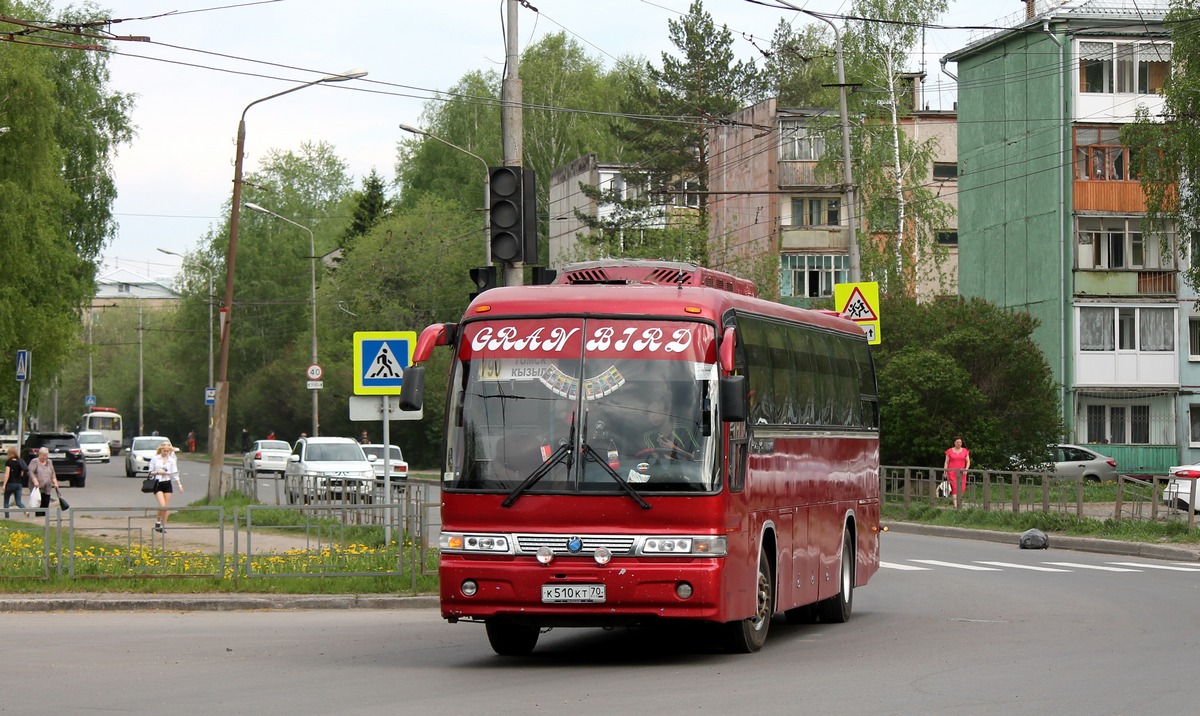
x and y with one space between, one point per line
1194 338
1118 244
1100 156
812 275
947 238
816 211
945 171
124 288
798 143
1140 67
1119 424
1127 328
1194 421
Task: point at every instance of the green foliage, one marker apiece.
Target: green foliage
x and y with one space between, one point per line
370 206
801 65
1166 151
683 97
962 367
55 192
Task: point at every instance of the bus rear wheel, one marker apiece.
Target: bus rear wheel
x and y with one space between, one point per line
509 639
748 635
836 609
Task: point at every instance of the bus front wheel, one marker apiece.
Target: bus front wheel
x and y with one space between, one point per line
836 609
748 635
511 639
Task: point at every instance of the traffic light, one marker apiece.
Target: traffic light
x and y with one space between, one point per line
484 278
506 206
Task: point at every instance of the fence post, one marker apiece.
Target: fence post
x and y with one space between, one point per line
1016 494
1045 493
987 490
1079 496
1192 506
907 488
1120 507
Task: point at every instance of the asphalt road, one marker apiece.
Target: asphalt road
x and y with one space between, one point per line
948 626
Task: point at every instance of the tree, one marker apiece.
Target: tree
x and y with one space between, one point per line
56 191
1166 153
674 105
370 206
964 367
800 66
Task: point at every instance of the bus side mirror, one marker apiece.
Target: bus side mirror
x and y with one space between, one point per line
412 395
733 398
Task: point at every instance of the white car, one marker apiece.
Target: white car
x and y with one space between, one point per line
396 465
141 449
94 446
267 456
324 469
1178 491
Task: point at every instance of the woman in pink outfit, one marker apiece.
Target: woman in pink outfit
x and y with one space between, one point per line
958 461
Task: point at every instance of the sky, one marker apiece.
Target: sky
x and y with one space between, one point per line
207 60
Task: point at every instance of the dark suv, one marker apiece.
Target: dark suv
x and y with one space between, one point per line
64 453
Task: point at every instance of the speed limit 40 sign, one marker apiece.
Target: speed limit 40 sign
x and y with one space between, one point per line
314 372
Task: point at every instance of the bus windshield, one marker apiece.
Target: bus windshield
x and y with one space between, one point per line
589 405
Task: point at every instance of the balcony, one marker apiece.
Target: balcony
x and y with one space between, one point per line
813 237
1125 283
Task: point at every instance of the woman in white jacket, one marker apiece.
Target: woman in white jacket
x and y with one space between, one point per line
165 469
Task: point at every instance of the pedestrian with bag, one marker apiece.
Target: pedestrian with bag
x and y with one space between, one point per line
15 480
958 461
164 468
44 480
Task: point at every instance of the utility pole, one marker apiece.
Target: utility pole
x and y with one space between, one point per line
511 127
847 171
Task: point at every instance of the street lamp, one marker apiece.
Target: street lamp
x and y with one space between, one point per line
313 261
209 271
217 452
487 178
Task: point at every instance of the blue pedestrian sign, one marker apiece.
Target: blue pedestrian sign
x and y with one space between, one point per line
210 396
22 365
89 401
380 359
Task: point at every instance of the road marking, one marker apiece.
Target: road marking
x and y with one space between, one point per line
1092 566
903 567
1157 566
955 565
1025 566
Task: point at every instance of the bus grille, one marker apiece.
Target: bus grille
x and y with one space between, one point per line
617 544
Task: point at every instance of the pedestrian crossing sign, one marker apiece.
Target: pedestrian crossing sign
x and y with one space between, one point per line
380 358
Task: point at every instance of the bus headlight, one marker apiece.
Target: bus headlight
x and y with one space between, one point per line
459 542
698 546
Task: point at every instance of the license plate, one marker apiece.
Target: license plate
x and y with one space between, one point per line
572 593
59 455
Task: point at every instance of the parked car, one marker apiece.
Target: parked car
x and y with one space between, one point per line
267 456
328 468
1075 461
141 449
94 446
1178 491
65 453
396 464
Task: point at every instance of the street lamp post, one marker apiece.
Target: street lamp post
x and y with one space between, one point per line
209 271
313 261
217 451
487 178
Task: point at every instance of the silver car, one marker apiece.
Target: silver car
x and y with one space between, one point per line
141 449
94 446
323 469
1076 461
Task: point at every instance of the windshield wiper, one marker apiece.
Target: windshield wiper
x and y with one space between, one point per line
590 453
563 452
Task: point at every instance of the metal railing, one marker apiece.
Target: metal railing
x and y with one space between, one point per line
1146 498
213 542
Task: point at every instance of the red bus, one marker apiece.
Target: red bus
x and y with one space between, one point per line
644 441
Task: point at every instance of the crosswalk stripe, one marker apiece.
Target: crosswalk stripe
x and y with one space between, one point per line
1025 566
955 565
1092 566
903 567
1157 566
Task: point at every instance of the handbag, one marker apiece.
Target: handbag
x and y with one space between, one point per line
148 484
943 488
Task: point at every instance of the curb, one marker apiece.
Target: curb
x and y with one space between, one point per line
95 602
1057 541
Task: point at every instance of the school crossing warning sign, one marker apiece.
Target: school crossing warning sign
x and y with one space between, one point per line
380 359
860 303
